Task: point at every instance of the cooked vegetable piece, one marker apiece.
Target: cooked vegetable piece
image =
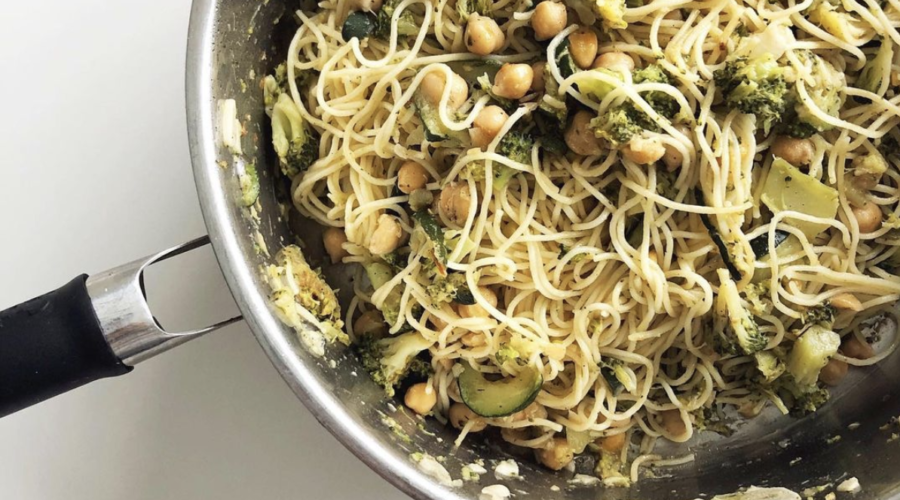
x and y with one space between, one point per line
787 188
769 365
390 360
724 250
472 69
249 182
429 224
359 24
467 7
734 329
877 69
406 23
811 353
754 86
295 142
612 12
616 376
435 130
499 398
760 244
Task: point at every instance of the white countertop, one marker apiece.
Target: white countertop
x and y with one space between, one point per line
95 173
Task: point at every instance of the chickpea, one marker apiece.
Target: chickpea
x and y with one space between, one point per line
644 151
387 235
579 136
420 398
475 310
531 412
674 15
473 339
460 415
846 302
556 455
672 423
548 20
486 125
797 152
369 323
583 47
612 444
366 5
411 176
513 80
616 61
483 35
868 217
750 409
455 203
833 372
673 157
855 348
432 88
334 239
537 82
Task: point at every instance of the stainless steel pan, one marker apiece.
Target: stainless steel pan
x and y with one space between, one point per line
101 326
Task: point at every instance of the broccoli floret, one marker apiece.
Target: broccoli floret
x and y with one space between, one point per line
445 290
612 12
551 125
825 93
390 360
754 86
295 142
465 8
516 146
406 23
793 127
619 124
808 402
298 290
800 400
249 182
662 103
734 323
810 353
710 419
819 315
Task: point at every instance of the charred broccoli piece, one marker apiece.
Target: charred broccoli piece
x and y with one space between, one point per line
392 359
754 86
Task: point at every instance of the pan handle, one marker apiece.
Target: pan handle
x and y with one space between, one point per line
91 328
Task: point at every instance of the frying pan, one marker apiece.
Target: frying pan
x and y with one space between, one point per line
101 326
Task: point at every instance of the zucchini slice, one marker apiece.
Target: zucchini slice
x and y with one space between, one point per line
502 397
434 232
760 244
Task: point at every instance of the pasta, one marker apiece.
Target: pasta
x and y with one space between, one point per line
637 248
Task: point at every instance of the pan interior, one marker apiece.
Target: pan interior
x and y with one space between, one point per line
240 41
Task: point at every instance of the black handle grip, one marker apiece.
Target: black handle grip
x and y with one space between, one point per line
50 345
